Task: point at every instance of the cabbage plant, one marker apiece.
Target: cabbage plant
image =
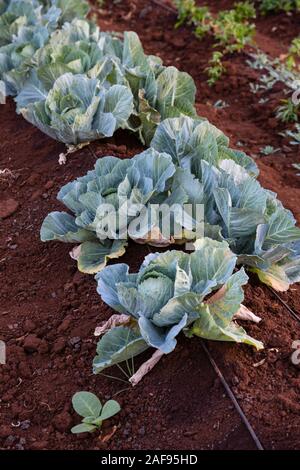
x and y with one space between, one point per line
254 222
108 205
19 14
52 61
76 30
78 47
15 57
257 227
25 27
69 9
78 109
198 293
190 140
158 91
93 413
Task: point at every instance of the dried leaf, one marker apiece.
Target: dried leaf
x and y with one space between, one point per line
260 363
146 367
108 436
75 252
114 320
245 314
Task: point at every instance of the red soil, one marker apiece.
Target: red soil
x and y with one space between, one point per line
48 310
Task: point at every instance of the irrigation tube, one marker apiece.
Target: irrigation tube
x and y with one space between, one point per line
289 309
232 398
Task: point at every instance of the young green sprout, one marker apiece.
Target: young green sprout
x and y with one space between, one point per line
215 69
89 407
269 150
294 134
231 29
288 111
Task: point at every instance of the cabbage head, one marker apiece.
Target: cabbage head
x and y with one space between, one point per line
253 221
257 227
190 140
158 92
25 27
78 109
173 291
117 187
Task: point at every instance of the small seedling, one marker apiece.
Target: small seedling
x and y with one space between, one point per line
297 166
294 134
231 29
88 406
269 150
220 104
288 111
293 54
215 69
267 6
263 100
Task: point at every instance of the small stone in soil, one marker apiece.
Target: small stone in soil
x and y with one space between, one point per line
59 345
8 207
74 340
32 344
64 325
39 445
29 326
122 149
25 424
36 195
62 422
5 431
10 440
24 370
49 185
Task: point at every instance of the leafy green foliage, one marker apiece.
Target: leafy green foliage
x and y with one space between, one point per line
145 179
189 141
288 111
269 150
158 92
77 108
247 215
170 294
231 29
89 407
25 27
189 162
215 69
199 17
101 199
276 71
267 6
257 227
293 54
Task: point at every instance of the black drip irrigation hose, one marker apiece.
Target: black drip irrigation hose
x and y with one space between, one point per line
288 308
232 398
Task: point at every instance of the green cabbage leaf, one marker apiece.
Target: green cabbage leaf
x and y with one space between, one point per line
173 291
